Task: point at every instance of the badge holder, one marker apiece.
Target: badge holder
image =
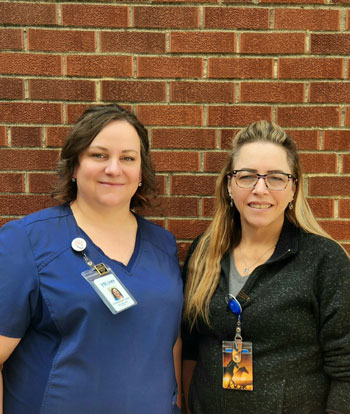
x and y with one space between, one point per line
105 282
237 356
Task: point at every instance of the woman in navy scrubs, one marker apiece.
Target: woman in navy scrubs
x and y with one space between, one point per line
62 347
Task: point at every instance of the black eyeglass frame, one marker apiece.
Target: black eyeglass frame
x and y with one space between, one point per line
263 176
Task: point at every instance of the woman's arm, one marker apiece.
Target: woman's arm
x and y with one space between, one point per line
188 367
7 346
177 352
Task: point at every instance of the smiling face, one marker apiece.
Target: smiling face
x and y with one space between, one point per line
259 207
109 170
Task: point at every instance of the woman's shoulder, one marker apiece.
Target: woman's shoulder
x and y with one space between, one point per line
318 245
156 234
47 214
45 231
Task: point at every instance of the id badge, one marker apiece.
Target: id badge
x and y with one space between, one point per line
109 288
237 365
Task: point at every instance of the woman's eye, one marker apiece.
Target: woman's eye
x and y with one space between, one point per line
247 177
127 158
98 155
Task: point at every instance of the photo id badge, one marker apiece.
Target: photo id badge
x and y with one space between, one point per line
237 365
109 288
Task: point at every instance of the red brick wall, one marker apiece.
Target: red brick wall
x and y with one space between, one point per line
195 72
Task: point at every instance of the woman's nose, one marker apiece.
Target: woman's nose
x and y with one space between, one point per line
260 186
113 167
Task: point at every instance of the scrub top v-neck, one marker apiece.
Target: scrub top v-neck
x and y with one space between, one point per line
75 356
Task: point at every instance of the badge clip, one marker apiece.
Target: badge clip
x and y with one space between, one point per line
101 269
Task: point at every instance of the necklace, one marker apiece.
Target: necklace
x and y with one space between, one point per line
247 268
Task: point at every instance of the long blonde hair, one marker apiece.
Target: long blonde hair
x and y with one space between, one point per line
224 231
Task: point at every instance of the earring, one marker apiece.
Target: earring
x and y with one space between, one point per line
231 203
74 179
290 205
140 184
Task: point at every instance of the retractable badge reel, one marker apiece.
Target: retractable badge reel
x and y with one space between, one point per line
104 281
237 356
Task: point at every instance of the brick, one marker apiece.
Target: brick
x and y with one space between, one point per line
161 183
199 42
202 92
227 136
23 64
299 19
95 16
308 116
175 161
174 207
11 38
305 139
241 68
62 90
23 204
272 43
169 67
170 115
166 17
187 229
182 1
337 140
322 207
133 42
28 159
272 92
133 91
27 14
193 185
182 250
214 161
330 44
74 111
11 183
237 115
310 68
346 164
338 229
329 186
208 207
236 18
33 113
61 40
26 136
99 66
238 1
42 182
294 1
347 116
55 136
183 138
330 92
319 163
3 136
344 208
11 88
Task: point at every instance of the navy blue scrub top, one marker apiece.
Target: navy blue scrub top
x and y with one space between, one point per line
75 356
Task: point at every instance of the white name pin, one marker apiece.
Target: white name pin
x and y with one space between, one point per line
78 244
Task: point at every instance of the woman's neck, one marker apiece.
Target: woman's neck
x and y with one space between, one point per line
260 237
104 218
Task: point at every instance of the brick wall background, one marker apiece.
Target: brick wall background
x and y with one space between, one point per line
195 72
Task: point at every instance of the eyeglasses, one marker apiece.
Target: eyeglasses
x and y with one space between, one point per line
273 181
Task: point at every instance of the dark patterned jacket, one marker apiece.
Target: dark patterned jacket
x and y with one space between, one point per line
296 312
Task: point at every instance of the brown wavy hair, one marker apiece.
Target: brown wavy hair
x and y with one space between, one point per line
90 124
